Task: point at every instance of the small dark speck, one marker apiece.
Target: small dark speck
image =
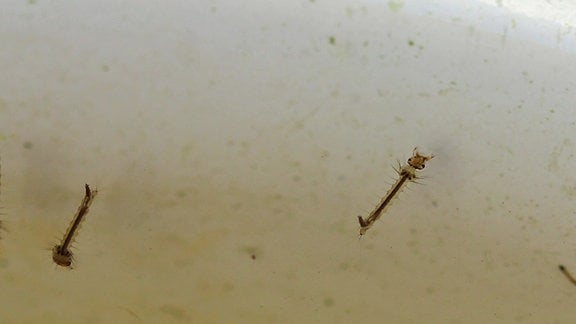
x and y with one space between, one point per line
410 43
252 251
561 267
332 40
27 145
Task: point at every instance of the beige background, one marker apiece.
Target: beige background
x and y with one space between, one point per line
235 143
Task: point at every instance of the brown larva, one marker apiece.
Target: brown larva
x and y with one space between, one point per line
407 173
61 253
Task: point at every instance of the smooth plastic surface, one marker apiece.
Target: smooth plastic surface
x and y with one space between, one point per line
235 143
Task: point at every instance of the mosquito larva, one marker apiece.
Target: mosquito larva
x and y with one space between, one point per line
407 173
567 274
61 253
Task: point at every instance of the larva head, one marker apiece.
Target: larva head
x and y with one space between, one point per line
61 257
418 161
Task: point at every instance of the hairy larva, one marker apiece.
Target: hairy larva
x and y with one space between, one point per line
61 253
406 173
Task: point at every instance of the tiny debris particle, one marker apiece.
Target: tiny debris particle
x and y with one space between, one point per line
332 40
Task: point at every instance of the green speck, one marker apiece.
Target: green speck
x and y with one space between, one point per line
105 68
174 311
27 145
328 302
332 40
32 2
410 42
443 92
569 190
395 5
350 12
